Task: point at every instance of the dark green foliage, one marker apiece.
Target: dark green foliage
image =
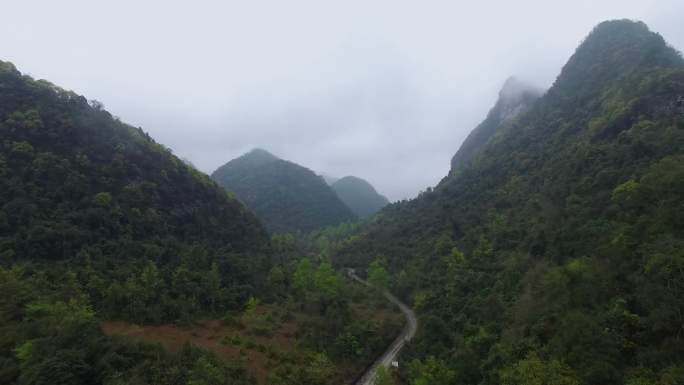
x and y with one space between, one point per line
359 196
51 335
377 274
335 334
285 196
82 191
98 220
568 224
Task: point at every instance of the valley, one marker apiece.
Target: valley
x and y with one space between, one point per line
551 252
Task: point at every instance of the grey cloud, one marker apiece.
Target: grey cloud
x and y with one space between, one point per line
384 90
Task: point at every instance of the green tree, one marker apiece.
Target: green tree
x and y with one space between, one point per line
327 282
348 346
378 275
303 277
277 279
249 316
444 244
383 377
103 199
535 371
432 371
204 372
213 286
319 370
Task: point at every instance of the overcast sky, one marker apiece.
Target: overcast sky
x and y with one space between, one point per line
384 90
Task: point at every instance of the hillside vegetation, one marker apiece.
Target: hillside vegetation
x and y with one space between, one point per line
556 255
552 253
105 233
98 220
515 97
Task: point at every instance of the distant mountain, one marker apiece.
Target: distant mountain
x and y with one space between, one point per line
285 196
515 98
359 195
556 254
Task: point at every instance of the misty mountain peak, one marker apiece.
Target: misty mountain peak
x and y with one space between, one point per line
515 97
513 87
613 50
260 153
254 158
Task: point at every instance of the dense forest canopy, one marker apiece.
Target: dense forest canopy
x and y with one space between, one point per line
285 196
80 187
102 228
99 220
555 255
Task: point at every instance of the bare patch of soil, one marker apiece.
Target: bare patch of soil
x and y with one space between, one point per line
212 335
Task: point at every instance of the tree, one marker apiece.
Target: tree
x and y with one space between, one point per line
347 346
103 199
534 371
277 281
378 275
249 316
319 370
443 244
303 276
327 282
284 246
383 377
213 286
65 367
204 372
431 372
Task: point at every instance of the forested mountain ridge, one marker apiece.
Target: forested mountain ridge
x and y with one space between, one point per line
98 221
515 97
78 182
359 195
555 255
285 196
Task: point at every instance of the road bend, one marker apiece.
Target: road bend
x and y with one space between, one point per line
368 378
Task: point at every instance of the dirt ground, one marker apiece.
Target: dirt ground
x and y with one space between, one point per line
214 336
233 342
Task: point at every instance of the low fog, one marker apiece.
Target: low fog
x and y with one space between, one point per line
383 90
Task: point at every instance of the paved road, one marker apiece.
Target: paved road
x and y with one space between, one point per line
391 353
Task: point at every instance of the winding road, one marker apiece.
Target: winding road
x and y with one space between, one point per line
368 378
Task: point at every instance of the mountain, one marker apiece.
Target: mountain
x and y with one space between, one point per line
359 195
285 196
99 222
514 98
78 183
554 255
